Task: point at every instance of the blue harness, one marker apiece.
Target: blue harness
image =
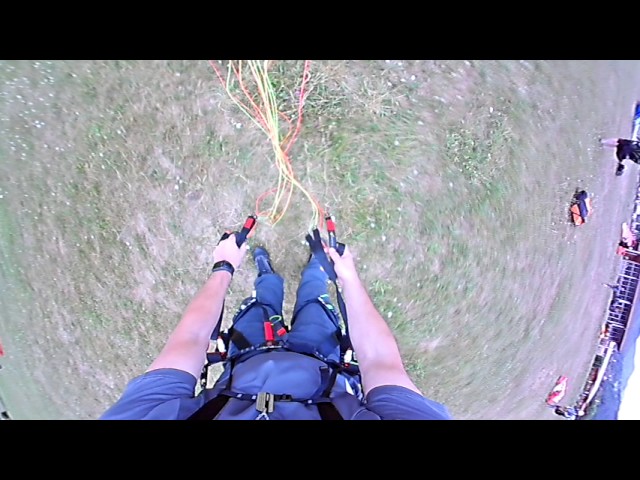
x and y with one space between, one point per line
265 402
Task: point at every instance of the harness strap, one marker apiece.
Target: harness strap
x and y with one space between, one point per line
211 409
328 411
317 249
238 339
284 397
331 382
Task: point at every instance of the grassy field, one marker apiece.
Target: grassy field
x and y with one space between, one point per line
450 180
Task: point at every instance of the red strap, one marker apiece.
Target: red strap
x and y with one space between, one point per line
268 332
331 226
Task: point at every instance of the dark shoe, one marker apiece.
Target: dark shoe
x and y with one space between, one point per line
263 261
620 169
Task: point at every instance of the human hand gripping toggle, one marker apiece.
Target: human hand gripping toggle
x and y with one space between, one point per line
241 236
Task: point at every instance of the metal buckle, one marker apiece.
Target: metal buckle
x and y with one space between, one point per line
265 405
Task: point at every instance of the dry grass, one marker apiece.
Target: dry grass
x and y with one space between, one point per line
450 180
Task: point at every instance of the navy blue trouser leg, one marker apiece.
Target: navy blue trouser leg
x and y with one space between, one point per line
250 322
313 326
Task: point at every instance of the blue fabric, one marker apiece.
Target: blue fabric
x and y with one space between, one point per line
163 394
278 372
167 394
313 327
392 402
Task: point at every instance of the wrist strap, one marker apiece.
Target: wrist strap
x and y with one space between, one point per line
224 266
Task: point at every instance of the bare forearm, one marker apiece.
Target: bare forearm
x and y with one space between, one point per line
203 313
375 346
371 336
186 347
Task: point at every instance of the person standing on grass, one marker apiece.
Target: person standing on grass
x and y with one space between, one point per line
567 412
297 376
627 240
625 150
